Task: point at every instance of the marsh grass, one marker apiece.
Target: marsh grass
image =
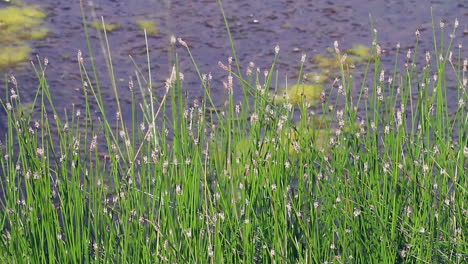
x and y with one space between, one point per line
254 182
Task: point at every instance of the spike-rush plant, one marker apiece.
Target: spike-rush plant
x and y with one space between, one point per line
369 175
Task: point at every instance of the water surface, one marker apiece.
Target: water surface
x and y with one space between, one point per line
297 26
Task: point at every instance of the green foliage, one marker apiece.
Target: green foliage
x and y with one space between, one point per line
25 16
11 55
358 54
361 51
151 27
109 27
319 77
371 179
299 93
19 24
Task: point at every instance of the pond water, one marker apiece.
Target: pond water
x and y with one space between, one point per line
297 26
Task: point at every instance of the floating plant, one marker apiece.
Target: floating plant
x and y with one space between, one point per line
19 24
20 34
318 77
361 51
11 55
151 27
291 139
356 55
334 63
299 93
320 138
21 16
109 27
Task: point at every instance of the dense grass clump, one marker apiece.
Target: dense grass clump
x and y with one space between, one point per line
376 175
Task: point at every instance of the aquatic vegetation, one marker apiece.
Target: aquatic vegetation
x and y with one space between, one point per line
11 55
326 62
319 77
298 94
314 130
243 148
19 34
182 181
298 136
334 63
25 16
358 54
37 34
19 24
151 27
109 27
361 51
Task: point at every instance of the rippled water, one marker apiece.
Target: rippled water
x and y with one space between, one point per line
298 26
